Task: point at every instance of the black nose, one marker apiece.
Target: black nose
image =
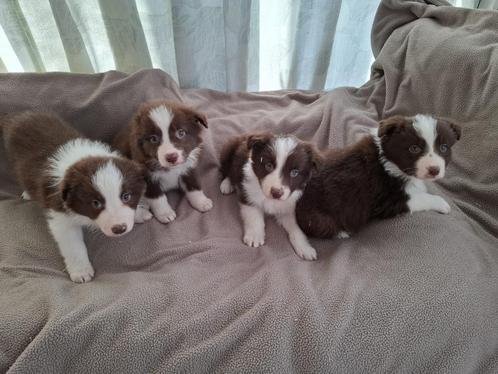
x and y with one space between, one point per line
172 157
118 229
433 171
276 193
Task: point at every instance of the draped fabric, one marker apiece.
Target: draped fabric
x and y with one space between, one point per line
228 45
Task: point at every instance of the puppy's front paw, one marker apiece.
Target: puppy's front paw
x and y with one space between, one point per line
226 186
254 238
441 206
343 235
199 201
204 205
142 214
25 196
166 216
81 274
307 253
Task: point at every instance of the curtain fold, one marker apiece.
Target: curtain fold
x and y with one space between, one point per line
228 45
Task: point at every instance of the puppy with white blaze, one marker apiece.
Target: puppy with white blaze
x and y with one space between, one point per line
380 176
80 182
269 174
166 138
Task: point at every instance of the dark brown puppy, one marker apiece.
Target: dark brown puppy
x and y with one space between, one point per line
269 174
166 137
381 176
80 182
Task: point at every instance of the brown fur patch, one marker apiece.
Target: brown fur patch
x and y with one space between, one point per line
32 138
235 154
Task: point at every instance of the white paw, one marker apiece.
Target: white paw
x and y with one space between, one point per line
166 216
226 186
204 205
306 253
343 235
254 238
199 201
25 196
441 206
142 214
81 274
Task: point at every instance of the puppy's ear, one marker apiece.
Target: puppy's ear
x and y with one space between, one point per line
456 130
66 191
258 141
314 155
201 119
389 125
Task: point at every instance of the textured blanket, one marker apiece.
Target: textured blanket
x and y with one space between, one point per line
418 293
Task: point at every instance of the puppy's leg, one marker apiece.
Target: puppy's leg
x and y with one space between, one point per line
226 186
142 213
195 196
297 238
422 201
158 202
69 238
253 220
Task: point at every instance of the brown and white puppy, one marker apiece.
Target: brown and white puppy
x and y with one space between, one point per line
380 176
166 137
269 174
79 181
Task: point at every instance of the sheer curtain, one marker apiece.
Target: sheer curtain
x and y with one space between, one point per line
227 45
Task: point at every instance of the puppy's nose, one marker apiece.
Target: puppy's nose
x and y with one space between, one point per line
172 157
433 171
118 229
276 193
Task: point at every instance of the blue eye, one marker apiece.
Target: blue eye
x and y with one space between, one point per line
180 133
415 149
443 148
125 197
294 173
269 167
154 139
96 204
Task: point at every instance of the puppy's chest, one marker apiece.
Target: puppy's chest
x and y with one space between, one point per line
170 179
254 195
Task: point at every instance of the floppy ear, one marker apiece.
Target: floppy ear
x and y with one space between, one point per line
314 155
66 190
455 129
201 119
258 141
389 125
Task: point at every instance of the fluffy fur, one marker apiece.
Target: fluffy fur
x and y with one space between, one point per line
80 182
381 176
166 138
268 173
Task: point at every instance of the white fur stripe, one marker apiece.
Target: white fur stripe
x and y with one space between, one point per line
73 151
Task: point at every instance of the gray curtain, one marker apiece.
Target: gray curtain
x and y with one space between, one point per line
232 45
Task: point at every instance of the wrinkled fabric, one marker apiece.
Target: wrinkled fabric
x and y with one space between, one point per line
416 293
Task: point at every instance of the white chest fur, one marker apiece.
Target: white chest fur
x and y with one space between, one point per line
170 179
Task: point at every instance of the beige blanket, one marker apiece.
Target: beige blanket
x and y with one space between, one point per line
412 294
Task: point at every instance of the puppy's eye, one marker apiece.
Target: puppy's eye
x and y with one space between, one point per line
154 139
125 197
294 173
96 204
180 133
415 149
443 148
269 166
